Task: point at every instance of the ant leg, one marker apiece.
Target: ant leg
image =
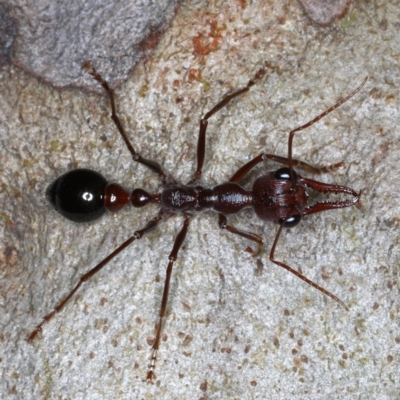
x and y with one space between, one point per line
151 225
172 257
241 173
222 222
153 165
201 144
298 274
316 119
305 166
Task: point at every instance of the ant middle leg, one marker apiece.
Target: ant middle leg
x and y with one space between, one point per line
201 144
153 165
172 258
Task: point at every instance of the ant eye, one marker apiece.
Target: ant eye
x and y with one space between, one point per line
284 174
291 221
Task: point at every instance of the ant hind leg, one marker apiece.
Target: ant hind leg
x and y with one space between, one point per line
152 165
151 225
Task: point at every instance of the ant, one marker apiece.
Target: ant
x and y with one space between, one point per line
83 195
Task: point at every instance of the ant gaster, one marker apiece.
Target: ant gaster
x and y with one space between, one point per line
83 195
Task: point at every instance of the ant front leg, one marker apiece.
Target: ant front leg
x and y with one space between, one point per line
289 161
201 144
172 258
153 165
298 274
315 120
242 172
151 225
223 224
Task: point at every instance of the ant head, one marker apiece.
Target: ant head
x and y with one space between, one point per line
277 199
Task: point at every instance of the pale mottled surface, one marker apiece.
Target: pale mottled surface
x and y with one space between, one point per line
231 333
325 12
55 38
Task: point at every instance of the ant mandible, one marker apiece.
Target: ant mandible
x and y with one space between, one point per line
83 195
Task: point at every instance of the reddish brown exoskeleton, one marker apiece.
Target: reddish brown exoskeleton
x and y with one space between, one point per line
280 196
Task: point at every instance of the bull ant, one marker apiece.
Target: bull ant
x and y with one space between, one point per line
83 195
